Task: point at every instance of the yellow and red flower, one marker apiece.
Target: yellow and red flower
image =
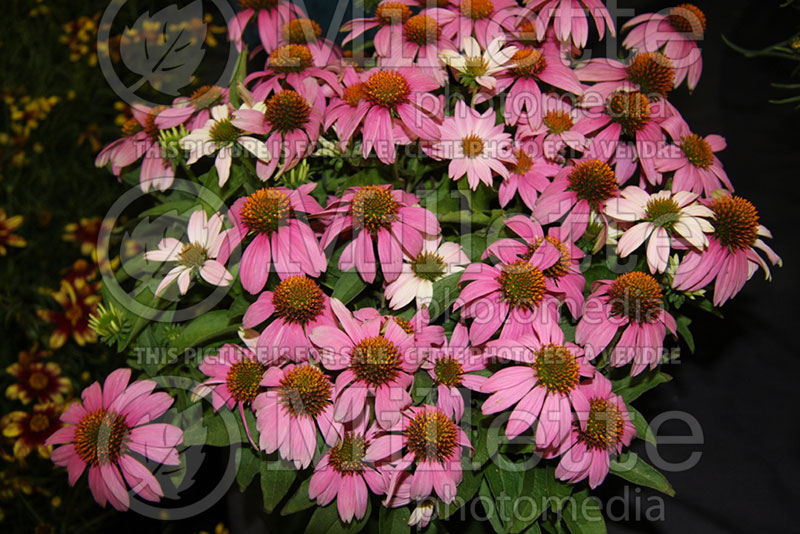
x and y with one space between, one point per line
84 233
7 236
37 381
78 299
29 430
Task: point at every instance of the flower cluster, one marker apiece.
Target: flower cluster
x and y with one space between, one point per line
386 312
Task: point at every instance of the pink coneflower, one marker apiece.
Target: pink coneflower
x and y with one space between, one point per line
515 294
291 123
235 375
692 158
276 216
425 334
732 256
532 66
343 474
394 99
415 282
564 276
477 68
298 398
475 146
272 15
651 73
294 66
428 439
627 115
569 18
140 141
633 301
604 427
303 31
297 306
380 364
198 255
219 135
342 110
544 389
109 424
450 367
661 220
482 18
577 191
527 175
561 127
378 213
195 110
390 17
676 33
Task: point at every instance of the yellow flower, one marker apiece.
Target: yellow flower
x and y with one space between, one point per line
7 227
30 430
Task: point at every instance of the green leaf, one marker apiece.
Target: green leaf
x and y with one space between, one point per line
299 500
506 487
466 490
643 430
477 200
325 520
180 207
394 520
276 480
445 293
486 496
348 286
548 489
239 74
214 429
583 515
249 465
527 510
683 323
422 387
207 326
633 469
631 388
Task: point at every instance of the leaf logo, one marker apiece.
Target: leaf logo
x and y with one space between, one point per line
163 49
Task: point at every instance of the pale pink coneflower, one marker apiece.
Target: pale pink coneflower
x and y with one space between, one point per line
374 362
661 220
651 73
415 281
390 18
561 127
604 427
477 68
105 427
382 215
732 256
282 241
476 146
193 111
219 135
634 302
297 399
198 255
543 390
